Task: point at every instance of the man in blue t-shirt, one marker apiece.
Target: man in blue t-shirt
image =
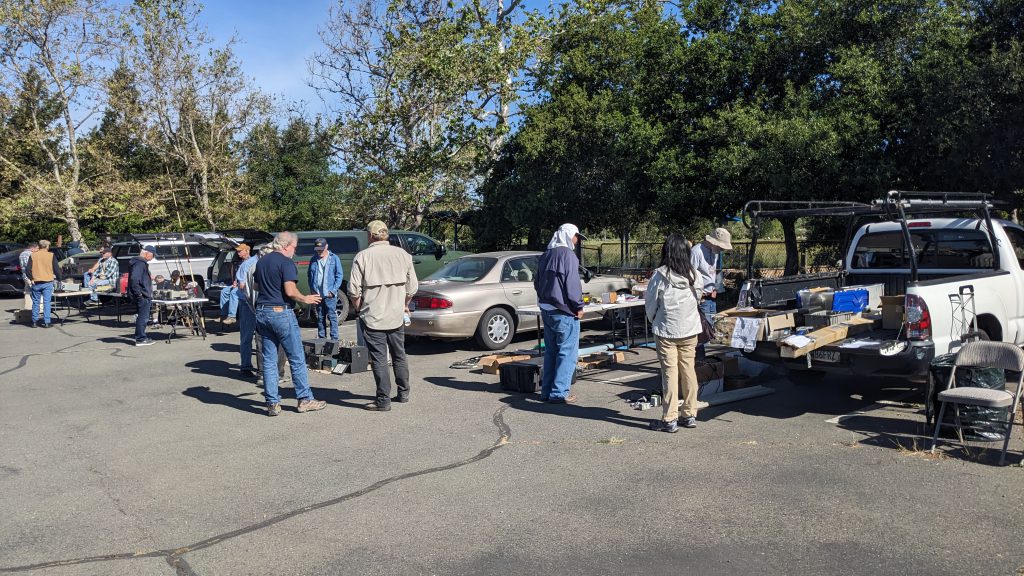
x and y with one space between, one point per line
275 278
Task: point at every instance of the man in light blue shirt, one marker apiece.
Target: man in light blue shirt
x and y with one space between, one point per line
325 276
246 310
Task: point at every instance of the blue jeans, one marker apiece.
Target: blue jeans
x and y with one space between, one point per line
327 313
85 284
708 308
44 291
281 329
229 302
145 306
561 351
246 328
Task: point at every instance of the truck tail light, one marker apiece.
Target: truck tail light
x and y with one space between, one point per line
431 303
919 321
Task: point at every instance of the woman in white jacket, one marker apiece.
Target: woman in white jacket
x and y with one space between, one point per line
672 299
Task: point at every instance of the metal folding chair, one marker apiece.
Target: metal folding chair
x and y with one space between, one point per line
983 355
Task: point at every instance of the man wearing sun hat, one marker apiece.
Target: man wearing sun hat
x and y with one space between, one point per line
704 258
381 285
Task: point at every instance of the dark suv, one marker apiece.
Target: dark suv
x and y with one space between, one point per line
10 269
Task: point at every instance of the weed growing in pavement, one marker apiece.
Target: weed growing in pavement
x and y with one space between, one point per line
612 441
915 450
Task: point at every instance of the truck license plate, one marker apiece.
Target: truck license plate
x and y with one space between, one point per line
825 356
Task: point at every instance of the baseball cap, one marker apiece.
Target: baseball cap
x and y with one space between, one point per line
150 248
243 246
377 228
320 244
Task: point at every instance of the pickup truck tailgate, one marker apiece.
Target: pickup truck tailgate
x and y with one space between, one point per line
874 353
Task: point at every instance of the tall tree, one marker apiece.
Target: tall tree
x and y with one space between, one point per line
194 100
424 92
54 55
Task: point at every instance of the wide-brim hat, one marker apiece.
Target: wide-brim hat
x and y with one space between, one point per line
720 237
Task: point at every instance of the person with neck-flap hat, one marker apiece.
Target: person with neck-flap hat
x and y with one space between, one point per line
704 259
560 296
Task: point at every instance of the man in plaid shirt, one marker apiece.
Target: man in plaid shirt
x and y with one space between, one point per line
104 272
23 262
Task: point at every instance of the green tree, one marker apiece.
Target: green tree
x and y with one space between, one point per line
288 175
194 102
587 148
54 56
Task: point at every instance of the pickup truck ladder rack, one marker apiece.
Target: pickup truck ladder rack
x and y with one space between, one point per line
895 205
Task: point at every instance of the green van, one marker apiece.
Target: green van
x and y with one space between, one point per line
428 255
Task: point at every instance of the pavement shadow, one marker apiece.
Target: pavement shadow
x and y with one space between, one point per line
210 367
224 347
339 397
914 438
129 340
246 402
532 403
465 385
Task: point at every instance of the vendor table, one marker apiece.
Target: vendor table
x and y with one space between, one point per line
63 300
188 312
627 340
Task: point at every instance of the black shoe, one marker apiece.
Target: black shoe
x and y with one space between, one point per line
401 399
46 325
145 342
376 407
248 373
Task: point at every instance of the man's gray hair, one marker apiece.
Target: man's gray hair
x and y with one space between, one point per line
44 244
283 240
264 249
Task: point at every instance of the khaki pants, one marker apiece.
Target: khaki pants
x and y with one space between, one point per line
678 376
28 298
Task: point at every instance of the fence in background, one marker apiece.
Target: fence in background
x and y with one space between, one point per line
642 258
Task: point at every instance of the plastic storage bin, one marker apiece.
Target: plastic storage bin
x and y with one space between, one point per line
855 300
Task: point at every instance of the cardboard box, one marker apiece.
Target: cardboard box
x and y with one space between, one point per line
492 364
709 368
859 324
773 322
892 312
593 361
616 357
818 338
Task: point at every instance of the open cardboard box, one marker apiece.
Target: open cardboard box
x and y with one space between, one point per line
771 321
892 312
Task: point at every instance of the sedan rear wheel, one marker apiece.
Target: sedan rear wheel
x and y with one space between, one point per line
496 329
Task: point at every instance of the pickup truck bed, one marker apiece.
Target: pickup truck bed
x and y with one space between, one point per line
901 359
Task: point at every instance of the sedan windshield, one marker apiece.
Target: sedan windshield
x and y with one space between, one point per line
464 269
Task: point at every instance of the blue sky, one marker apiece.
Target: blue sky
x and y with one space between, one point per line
275 38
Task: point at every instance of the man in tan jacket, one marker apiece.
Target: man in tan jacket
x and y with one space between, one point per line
42 270
381 284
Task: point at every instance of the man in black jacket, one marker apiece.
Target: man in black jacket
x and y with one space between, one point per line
140 286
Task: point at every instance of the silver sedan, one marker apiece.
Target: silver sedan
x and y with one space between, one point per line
477 296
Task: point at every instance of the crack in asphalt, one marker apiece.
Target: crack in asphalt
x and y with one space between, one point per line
175 557
24 359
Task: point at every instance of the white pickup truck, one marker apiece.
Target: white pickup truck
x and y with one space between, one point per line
952 259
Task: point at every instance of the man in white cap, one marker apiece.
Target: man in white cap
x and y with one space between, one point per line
704 258
560 296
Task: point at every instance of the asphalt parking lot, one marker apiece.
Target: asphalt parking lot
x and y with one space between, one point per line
159 460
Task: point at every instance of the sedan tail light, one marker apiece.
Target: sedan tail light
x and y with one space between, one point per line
15 268
431 303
